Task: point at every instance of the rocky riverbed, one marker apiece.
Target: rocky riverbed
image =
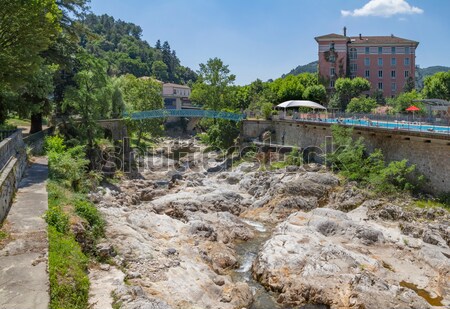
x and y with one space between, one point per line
179 236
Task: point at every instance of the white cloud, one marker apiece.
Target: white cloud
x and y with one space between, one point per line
384 8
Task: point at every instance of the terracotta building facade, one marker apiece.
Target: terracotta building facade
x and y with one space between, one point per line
387 62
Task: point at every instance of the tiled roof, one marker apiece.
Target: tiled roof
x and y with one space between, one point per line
380 40
176 85
330 36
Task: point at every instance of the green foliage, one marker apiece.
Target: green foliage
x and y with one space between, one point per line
351 159
404 100
142 94
437 86
54 143
347 88
90 213
315 93
267 109
361 105
221 134
212 90
69 282
307 68
294 157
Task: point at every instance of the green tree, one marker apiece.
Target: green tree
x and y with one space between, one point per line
34 102
315 93
89 100
212 88
404 100
347 88
27 28
142 94
361 105
437 86
159 70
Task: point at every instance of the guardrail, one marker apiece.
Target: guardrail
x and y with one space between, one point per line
36 141
163 113
6 133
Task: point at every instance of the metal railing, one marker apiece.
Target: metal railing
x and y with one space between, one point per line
163 113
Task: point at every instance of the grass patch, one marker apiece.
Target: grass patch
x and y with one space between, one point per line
431 204
18 122
69 282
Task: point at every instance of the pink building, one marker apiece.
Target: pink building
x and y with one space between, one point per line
386 61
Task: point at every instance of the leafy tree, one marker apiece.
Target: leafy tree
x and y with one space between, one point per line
404 100
288 88
34 99
159 70
361 105
27 28
437 86
347 88
89 100
410 84
142 94
212 88
315 93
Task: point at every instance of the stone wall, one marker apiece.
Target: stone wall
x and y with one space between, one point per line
429 152
36 141
13 161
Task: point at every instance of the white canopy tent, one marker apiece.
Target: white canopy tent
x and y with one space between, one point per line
300 103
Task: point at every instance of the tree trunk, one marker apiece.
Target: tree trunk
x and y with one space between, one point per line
36 123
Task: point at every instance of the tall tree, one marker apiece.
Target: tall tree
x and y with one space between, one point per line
142 94
89 100
437 86
212 88
347 88
26 29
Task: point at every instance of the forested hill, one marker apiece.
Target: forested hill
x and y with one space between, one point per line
307 68
120 44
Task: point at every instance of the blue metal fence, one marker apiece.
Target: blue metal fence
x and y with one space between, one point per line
163 113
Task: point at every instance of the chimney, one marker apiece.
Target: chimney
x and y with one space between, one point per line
345 31
360 36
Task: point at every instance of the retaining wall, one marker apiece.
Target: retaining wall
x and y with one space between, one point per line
428 151
13 161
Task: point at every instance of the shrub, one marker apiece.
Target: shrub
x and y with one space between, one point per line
267 109
54 144
351 159
90 213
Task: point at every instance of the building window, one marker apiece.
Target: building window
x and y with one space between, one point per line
353 54
380 86
380 62
407 50
393 74
367 61
367 73
380 50
393 50
332 72
406 61
393 86
393 61
332 46
331 83
353 67
406 74
380 74
367 50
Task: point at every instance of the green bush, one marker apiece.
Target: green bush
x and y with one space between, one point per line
351 159
54 144
267 109
90 213
294 157
58 219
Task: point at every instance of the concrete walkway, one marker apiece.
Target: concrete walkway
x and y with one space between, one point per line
24 279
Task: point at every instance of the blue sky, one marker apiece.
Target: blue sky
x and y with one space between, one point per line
266 38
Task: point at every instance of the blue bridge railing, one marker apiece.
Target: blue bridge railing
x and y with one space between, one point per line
163 113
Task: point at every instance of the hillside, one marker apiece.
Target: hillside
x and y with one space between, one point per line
120 44
307 68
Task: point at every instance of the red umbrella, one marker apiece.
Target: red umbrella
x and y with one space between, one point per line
413 109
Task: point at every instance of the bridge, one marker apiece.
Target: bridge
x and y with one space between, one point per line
188 113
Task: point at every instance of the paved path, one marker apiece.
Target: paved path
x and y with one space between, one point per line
24 280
